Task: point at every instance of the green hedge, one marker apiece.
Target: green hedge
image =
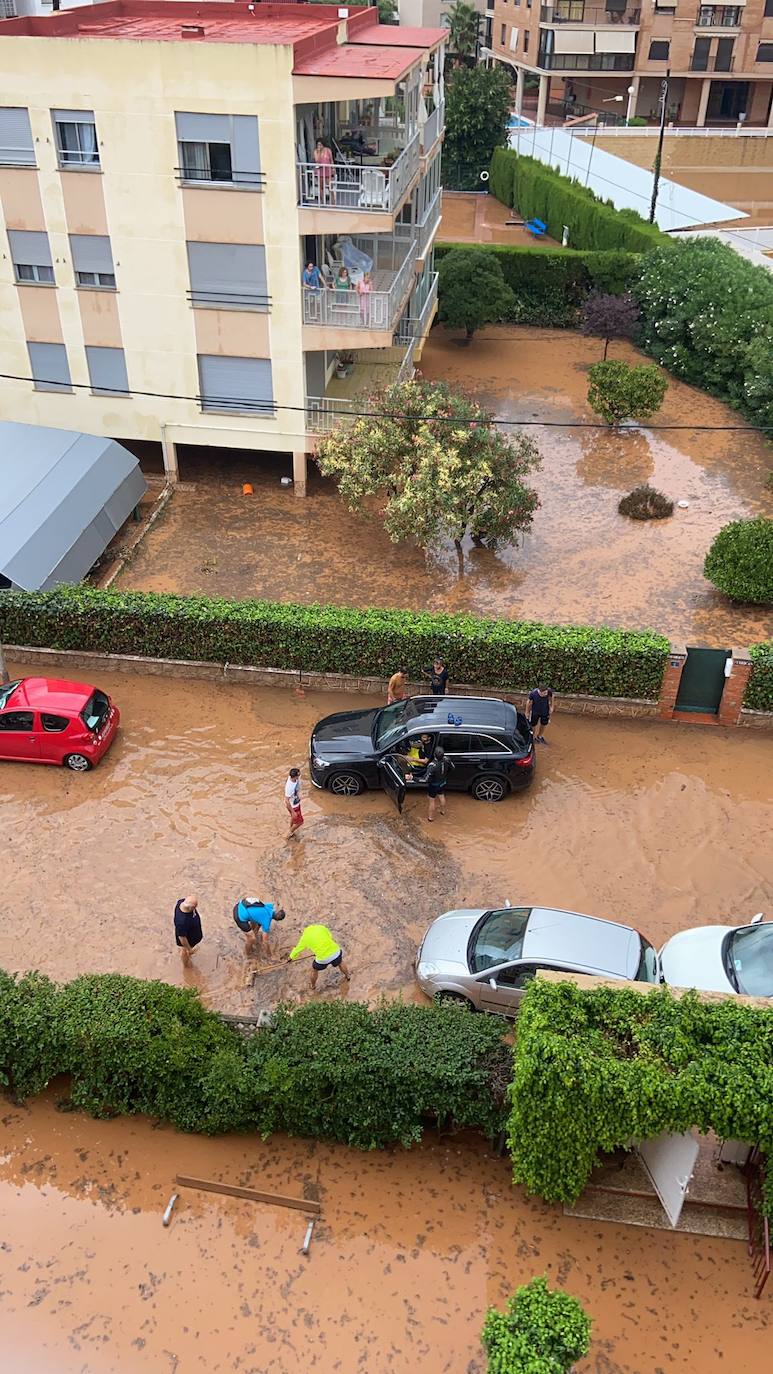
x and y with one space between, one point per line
551 284
538 190
594 1070
759 693
511 655
334 1071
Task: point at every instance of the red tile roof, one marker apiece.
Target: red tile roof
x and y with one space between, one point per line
350 59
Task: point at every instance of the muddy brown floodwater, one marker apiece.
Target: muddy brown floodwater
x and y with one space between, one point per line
581 561
662 826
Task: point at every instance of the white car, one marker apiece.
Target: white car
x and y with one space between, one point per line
722 959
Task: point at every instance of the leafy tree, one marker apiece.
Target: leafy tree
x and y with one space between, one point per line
437 464
387 11
620 392
740 561
463 24
541 1331
610 317
477 110
472 290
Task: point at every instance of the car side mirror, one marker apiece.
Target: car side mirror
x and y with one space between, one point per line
492 982
755 920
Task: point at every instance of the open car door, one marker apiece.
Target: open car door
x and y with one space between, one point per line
392 779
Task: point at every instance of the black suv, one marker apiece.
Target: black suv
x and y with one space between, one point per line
488 742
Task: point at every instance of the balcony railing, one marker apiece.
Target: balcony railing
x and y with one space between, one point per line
323 413
413 327
433 126
426 229
575 12
349 309
711 64
719 17
586 61
355 186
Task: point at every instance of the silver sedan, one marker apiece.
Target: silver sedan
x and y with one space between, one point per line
485 959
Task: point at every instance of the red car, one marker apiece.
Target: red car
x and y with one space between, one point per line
45 720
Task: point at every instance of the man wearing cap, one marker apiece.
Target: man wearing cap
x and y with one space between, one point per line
254 919
326 950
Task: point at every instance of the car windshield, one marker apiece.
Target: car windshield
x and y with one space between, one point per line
497 938
748 960
390 723
94 713
647 972
6 692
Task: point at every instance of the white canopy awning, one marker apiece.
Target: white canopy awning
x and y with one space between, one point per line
615 40
572 41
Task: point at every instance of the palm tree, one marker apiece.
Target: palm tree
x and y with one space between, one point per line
463 24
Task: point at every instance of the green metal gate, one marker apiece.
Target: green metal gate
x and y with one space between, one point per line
703 681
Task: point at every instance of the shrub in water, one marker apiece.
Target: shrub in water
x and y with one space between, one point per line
540 1332
740 561
645 503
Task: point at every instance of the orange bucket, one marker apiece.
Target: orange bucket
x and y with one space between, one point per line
247 489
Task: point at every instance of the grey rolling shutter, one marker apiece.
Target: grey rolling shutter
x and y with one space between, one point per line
49 366
91 253
203 128
228 274
16 146
30 246
107 369
246 149
243 384
74 116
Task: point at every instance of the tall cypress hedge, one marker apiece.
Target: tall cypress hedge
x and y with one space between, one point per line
538 191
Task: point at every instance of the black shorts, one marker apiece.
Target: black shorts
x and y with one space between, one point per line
434 789
541 718
329 963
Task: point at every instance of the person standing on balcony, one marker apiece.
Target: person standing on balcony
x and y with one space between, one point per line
343 281
312 277
364 288
323 156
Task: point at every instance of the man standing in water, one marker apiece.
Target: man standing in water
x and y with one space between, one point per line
293 800
436 778
326 950
540 707
254 919
187 927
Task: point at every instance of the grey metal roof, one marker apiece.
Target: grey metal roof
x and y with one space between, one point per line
63 496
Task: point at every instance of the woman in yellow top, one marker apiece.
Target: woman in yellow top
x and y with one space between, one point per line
327 952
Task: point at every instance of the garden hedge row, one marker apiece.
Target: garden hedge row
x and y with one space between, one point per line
507 654
759 693
594 1070
537 190
332 1071
551 284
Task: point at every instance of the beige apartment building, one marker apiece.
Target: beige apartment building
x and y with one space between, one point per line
611 56
167 169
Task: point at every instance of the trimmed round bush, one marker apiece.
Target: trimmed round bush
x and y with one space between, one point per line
645 503
740 561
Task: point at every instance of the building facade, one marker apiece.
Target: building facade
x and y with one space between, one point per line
166 171
610 56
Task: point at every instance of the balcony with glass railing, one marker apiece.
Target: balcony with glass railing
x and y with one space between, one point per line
426 229
433 127
414 323
363 299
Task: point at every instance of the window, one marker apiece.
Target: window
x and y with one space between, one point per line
50 368
16 146
487 744
219 148
228 274
525 41
718 17
658 50
92 260
513 39
16 721
242 384
96 711
769 9
498 937
747 955
76 138
53 725
515 975
107 370
765 52
503 35
455 742
31 256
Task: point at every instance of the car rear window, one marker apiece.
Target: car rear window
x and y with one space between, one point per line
53 724
95 712
7 692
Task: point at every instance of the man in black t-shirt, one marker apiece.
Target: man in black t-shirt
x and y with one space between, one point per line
187 927
438 677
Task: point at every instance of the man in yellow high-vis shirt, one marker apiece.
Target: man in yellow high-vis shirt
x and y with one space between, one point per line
327 952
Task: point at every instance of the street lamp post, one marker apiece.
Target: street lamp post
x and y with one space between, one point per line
659 153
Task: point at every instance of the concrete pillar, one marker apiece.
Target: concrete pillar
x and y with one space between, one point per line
170 459
669 689
735 688
299 474
703 103
632 97
520 81
542 99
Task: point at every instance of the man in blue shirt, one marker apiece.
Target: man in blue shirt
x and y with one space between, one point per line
254 919
312 277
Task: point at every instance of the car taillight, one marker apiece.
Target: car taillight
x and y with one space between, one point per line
525 762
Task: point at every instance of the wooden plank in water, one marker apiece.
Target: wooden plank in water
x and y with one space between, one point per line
206 1185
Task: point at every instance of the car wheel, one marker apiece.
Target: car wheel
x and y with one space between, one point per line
453 999
346 784
489 789
78 763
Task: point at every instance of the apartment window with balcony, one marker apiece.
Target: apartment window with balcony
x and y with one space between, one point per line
107 371
92 261
31 257
659 50
76 139
765 52
16 146
224 149
718 17
238 384
49 365
229 275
